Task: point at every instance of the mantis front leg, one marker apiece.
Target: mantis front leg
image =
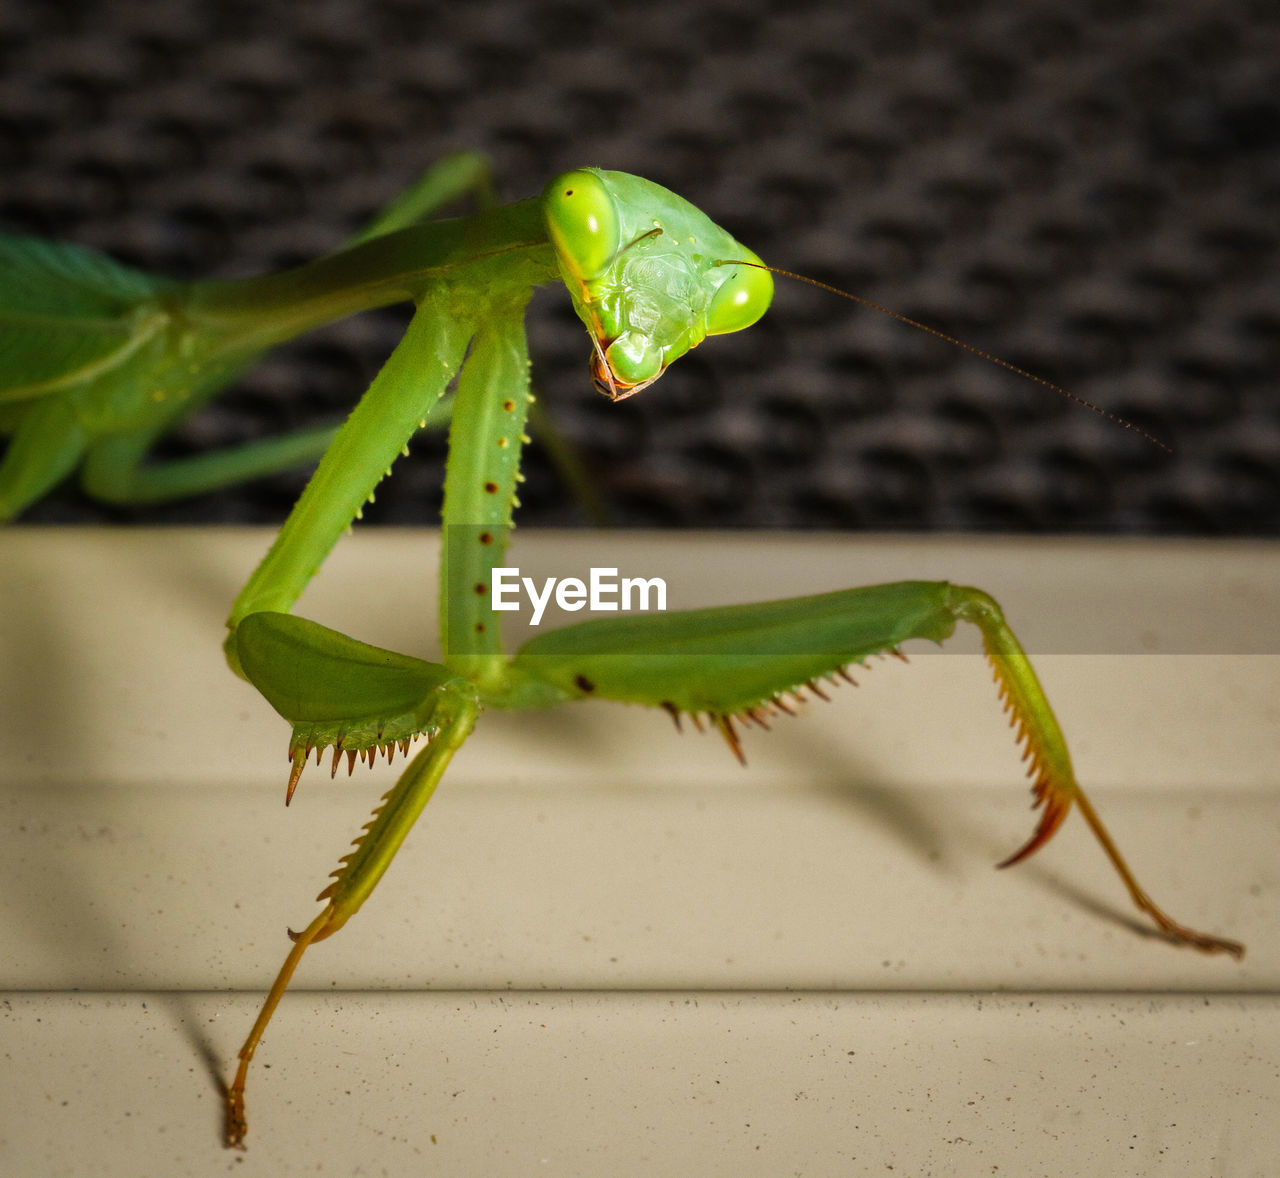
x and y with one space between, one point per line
356 699
738 665
384 701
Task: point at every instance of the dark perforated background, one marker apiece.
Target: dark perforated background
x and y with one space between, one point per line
1091 190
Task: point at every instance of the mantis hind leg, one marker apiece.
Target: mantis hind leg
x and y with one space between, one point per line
738 665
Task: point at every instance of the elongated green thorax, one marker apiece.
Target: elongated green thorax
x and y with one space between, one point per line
501 250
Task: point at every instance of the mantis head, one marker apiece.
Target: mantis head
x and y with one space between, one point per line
643 269
649 276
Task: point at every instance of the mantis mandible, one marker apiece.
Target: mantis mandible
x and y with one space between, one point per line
650 276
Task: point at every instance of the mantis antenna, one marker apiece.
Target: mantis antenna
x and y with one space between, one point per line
1123 422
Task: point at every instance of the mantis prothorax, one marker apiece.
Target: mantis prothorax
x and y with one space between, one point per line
650 276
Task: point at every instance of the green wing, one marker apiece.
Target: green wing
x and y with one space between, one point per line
68 313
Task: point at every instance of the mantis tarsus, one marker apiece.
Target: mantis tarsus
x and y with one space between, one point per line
102 359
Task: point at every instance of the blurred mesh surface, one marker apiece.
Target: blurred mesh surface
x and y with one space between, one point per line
1089 190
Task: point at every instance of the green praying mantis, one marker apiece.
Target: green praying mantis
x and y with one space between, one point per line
100 360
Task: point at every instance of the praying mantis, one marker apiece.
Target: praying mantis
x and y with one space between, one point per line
101 360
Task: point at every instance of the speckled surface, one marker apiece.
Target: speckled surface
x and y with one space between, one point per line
610 949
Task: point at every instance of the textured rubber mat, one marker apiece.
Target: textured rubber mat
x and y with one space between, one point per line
1091 191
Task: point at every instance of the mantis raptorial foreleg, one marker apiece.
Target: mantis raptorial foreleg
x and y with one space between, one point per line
443 711
650 277
737 666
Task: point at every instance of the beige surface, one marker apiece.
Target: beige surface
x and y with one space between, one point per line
608 950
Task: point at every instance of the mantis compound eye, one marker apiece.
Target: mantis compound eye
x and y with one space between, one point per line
741 298
583 222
